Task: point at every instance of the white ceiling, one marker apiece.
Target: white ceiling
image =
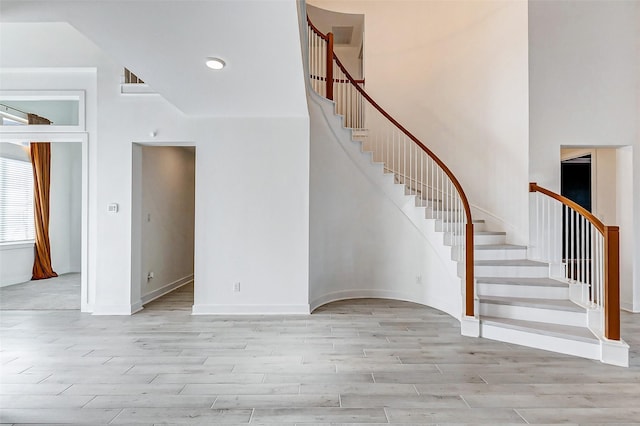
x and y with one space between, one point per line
166 42
325 20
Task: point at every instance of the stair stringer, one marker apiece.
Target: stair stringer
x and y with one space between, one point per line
412 263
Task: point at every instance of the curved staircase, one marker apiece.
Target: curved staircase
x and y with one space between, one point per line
517 300
506 295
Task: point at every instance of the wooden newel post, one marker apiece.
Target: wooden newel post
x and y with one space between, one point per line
612 283
329 62
469 271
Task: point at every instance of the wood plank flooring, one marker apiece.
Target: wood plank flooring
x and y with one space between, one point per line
62 292
351 362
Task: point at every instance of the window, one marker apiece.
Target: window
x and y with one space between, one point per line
16 201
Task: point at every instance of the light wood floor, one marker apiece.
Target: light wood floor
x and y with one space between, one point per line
62 292
363 361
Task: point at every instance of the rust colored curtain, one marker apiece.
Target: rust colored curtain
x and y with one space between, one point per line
41 164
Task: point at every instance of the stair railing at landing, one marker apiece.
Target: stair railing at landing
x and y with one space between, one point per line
412 163
587 251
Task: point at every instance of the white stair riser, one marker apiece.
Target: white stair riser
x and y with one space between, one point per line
450 239
526 313
501 254
540 341
438 213
426 203
489 239
512 271
535 292
441 225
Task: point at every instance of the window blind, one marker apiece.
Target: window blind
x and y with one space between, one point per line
16 201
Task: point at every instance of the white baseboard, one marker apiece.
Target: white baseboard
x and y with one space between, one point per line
541 341
250 310
136 307
116 309
360 294
615 352
15 279
469 326
153 295
626 306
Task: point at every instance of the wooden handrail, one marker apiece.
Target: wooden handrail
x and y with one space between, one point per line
315 30
469 248
611 236
533 187
454 180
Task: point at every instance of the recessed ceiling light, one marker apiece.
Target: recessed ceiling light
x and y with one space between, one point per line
215 63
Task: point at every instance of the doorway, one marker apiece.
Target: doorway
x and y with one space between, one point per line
607 192
163 209
575 180
66 228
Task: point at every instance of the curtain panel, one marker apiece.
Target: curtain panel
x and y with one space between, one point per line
41 163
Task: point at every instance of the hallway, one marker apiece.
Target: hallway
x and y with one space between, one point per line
357 361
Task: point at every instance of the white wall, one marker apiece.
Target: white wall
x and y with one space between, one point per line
455 74
65 198
606 183
16 263
585 90
366 236
626 200
349 58
251 228
254 226
167 218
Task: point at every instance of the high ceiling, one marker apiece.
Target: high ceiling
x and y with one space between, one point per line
338 23
165 43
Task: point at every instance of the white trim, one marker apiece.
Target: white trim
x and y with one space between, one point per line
16 245
541 341
360 294
250 309
153 295
136 89
470 326
16 279
628 307
136 307
17 136
615 352
100 310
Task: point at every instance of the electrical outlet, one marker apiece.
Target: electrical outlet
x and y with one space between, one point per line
236 287
150 275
